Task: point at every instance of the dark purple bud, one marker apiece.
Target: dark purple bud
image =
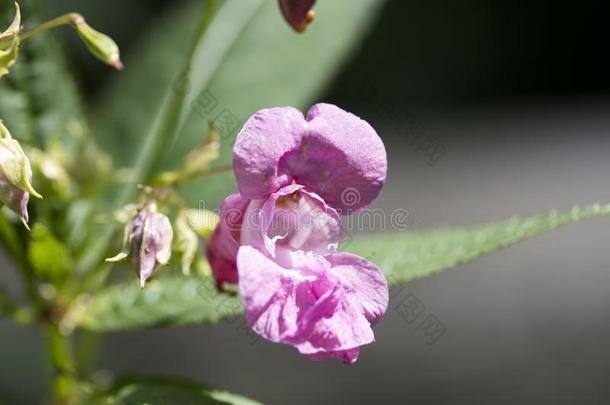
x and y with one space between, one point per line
298 13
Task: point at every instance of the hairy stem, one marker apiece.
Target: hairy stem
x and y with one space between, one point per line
66 19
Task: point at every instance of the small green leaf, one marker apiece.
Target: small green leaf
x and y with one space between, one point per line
408 256
48 255
402 257
169 391
167 301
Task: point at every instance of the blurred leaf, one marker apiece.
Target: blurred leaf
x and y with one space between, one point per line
167 301
155 70
6 304
269 65
47 255
405 257
39 98
402 257
170 391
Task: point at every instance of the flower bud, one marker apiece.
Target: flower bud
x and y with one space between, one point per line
15 175
148 238
298 13
186 243
9 43
99 44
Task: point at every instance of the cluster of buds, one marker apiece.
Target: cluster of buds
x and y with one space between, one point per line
15 176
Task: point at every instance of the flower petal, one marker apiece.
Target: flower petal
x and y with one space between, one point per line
291 219
346 161
267 136
331 152
307 306
267 291
221 249
364 283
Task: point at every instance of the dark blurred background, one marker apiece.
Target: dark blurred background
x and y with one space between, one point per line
517 96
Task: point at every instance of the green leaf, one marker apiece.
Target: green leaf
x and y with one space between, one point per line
154 71
269 65
168 301
48 255
169 391
408 256
402 257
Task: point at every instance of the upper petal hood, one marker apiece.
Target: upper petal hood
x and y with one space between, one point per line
331 152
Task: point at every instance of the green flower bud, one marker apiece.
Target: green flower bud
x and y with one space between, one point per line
15 175
9 43
99 44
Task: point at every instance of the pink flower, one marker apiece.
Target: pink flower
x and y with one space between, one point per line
278 237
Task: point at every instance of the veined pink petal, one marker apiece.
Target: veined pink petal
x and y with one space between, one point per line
364 283
331 152
311 306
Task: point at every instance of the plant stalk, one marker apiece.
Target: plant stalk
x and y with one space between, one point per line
65 382
155 145
66 19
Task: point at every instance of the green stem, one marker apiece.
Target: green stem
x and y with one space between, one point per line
156 143
66 19
65 382
86 351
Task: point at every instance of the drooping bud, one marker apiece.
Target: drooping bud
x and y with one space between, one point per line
15 175
99 44
9 43
148 239
298 13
